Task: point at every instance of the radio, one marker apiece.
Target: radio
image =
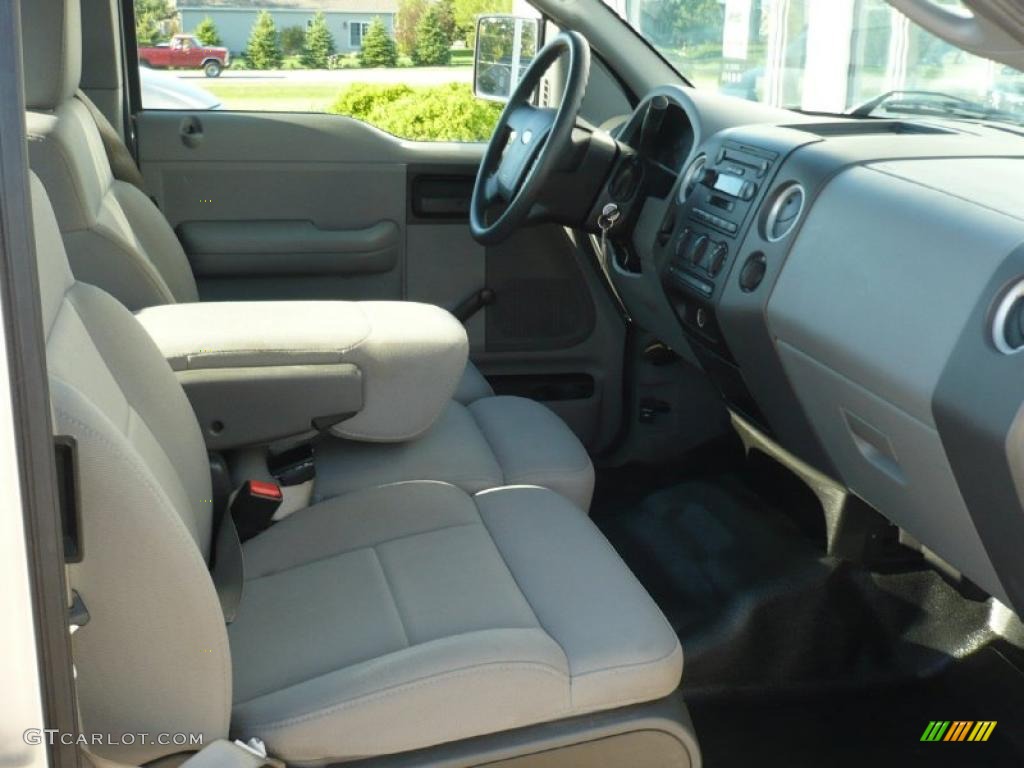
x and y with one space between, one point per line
712 203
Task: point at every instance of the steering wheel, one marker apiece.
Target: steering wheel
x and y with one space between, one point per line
528 142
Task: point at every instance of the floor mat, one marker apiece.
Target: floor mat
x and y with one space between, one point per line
877 727
788 648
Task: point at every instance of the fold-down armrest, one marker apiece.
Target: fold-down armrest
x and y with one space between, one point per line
260 371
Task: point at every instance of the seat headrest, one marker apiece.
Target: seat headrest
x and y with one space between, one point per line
51 44
51 260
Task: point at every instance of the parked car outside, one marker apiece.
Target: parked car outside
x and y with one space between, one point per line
186 52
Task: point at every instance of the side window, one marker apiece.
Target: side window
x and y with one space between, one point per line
404 66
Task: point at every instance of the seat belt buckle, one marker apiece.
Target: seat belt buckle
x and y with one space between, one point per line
254 506
293 466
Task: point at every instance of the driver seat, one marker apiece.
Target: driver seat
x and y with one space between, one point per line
117 239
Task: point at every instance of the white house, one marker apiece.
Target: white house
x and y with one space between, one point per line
347 19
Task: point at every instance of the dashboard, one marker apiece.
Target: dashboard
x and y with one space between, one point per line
854 289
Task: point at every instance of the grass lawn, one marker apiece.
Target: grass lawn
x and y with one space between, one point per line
462 57
306 96
274 97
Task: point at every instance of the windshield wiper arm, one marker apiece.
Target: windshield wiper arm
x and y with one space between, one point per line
935 104
945 101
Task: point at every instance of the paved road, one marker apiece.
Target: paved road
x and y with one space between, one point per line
408 75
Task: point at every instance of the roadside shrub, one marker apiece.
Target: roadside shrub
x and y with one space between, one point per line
344 61
379 49
263 50
292 40
318 43
433 39
360 99
446 112
206 32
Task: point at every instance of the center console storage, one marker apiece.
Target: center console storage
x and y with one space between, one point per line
261 371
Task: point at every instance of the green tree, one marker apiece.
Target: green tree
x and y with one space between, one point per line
151 16
147 31
466 12
433 39
446 12
379 49
408 18
688 22
263 51
206 32
318 46
293 40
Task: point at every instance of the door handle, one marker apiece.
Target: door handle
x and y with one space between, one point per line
191 132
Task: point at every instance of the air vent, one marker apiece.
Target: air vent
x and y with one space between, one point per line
1007 325
784 212
692 177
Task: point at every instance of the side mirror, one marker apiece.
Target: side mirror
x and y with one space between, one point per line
505 46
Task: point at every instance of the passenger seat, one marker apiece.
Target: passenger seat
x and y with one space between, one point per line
385 620
119 240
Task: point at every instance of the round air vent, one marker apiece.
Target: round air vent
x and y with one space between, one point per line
784 212
692 177
1008 321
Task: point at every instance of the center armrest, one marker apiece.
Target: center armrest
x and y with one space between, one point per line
258 371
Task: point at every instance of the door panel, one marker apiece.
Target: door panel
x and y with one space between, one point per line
240 248
445 265
275 206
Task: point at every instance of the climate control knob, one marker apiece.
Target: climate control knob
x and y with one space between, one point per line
698 248
683 243
717 259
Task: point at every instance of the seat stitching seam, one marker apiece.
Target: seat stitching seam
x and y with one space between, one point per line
292 684
391 594
359 549
515 580
178 471
631 667
50 138
271 725
63 301
526 599
141 265
490 446
586 467
555 474
453 479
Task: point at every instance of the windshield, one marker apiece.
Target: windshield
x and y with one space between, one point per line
826 56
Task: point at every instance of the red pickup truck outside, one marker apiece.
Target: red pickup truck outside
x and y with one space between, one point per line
185 52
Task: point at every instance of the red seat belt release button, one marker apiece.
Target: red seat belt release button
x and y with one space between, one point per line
263 489
254 506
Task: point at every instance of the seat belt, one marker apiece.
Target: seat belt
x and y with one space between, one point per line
122 164
239 517
228 566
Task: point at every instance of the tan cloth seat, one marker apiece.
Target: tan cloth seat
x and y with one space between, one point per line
119 240
384 620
